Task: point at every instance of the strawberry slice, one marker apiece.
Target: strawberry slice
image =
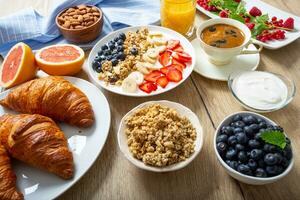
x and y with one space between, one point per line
165 58
164 70
153 76
182 57
179 48
176 62
162 81
175 66
174 75
148 87
172 44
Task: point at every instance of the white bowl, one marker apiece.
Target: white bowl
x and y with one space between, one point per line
239 176
183 111
170 34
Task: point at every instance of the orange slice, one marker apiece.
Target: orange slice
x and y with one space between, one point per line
18 66
60 59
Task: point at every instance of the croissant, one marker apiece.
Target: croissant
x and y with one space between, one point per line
37 141
54 97
8 190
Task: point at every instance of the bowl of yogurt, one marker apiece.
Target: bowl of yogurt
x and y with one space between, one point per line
261 91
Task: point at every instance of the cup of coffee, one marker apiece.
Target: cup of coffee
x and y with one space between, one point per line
222 39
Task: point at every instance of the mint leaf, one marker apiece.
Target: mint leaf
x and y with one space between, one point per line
236 17
274 137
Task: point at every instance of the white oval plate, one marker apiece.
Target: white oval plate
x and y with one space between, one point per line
183 111
221 73
170 34
85 144
272 11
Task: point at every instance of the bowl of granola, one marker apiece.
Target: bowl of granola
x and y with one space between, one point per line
141 61
160 136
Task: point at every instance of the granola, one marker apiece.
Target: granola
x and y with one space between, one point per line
159 136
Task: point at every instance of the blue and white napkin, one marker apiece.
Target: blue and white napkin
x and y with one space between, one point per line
38 31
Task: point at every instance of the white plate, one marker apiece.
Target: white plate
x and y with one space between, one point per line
221 73
85 144
183 111
271 11
169 34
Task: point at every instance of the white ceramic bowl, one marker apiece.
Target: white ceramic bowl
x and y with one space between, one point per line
183 111
239 176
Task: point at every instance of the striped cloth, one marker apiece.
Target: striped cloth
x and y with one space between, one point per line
37 31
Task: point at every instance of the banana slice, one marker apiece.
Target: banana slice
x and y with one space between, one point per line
129 85
137 76
141 67
146 58
155 34
155 66
152 53
161 49
159 41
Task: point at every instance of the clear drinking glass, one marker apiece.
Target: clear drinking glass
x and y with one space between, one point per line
178 15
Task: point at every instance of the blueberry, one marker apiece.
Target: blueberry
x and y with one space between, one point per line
227 162
273 170
254 127
253 144
262 130
227 130
231 154
260 120
232 141
120 42
239 124
100 52
237 118
98 58
106 52
221 147
241 138
120 48
262 125
252 164
122 36
104 47
111 45
249 119
260 172
278 128
270 159
109 57
261 163
103 57
237 130
134 51
269 148
233 164
95 64
279 157
239 147
258 137
121 56
256 154
244 169
114 52
287 152
242 157
222 138
285 162
249 131
114 62
116 39
288 141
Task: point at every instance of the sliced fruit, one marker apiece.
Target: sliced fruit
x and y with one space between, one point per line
161 48
153 76
159 41
146 58
176 62
164 70
148 87
178 67
152 53
60 59
165 58
18 66
129 85
179 48
162 81
172 44
174 75
182 57
137 76
141 67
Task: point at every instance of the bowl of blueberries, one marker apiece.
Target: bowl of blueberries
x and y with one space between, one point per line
253 149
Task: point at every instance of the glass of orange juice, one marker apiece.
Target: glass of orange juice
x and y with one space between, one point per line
178 15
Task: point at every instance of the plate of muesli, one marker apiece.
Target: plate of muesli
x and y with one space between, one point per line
141 61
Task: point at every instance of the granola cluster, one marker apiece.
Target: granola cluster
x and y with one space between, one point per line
158 136
134 40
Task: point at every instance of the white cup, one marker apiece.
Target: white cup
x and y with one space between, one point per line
223 56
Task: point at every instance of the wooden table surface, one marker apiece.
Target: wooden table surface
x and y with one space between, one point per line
113 177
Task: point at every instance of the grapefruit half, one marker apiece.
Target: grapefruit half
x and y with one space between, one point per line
18 66
60 59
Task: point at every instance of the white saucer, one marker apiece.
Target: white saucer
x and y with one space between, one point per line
221 73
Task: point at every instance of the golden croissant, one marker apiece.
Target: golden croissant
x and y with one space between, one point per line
37 141
54 97
8 190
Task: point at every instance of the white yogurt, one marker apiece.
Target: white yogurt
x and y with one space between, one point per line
260 90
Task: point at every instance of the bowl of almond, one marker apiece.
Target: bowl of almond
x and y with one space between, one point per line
80 24
160 136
